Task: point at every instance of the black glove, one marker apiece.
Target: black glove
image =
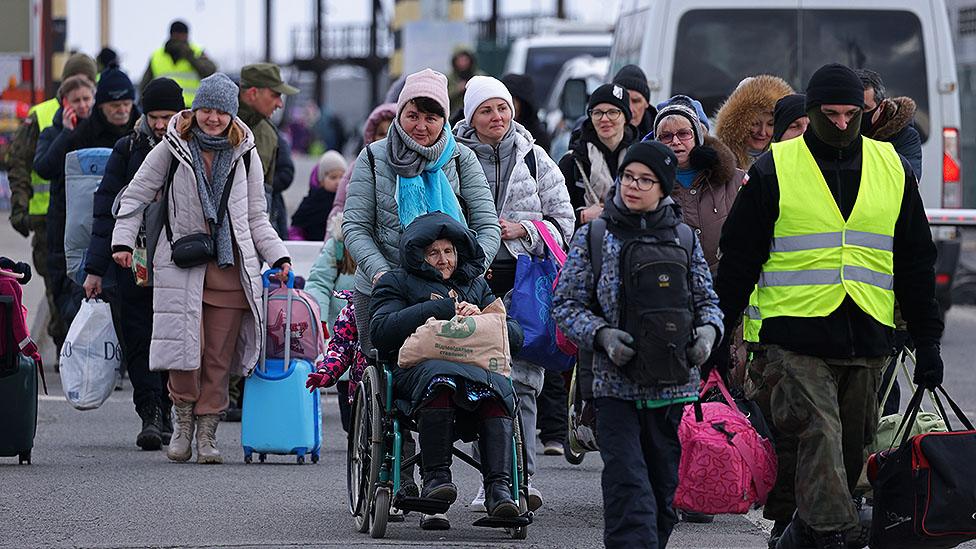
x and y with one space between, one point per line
8 264
20 220
617 344
928 366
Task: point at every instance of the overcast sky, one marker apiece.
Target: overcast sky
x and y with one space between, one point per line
136 32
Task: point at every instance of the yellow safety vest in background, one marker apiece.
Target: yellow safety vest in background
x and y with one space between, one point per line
40 187
181 71
817 258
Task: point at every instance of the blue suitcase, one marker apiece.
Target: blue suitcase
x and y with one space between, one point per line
280 416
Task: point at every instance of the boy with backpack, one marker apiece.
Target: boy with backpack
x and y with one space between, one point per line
637 293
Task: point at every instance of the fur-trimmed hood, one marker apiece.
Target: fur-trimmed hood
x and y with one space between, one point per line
753 96
896 114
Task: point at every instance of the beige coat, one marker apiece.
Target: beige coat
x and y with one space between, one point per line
178 293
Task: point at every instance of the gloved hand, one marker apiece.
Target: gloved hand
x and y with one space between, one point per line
617 344
18 267
928 366
701 348
20 220
321 378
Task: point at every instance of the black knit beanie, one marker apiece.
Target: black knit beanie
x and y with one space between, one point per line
656 156
834 84
162 94
787 110
633 78
612 94
521 87
113 85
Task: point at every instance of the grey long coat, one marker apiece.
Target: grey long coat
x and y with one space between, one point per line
178 293
371 219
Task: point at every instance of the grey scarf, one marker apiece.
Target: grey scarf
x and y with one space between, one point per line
407 157
142 128
498 161
211 190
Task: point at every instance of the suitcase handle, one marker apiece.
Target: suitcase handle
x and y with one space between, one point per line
266 280
266 277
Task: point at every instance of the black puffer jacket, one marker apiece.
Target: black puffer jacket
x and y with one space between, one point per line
848 331
404 299
127 155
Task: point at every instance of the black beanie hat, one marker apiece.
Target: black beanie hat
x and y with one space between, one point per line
633 78
787 110
834 84
521 87
613 94
113 85
179 27
162 94
656 156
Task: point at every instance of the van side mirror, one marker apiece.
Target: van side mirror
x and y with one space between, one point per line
573 99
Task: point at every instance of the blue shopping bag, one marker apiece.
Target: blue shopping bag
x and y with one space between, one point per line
531 305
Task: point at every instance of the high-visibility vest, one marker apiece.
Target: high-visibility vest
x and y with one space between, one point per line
182 71
40 187
817 258
752 319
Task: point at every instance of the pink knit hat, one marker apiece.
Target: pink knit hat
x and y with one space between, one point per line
426 83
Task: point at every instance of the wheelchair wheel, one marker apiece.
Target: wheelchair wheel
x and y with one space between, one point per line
364 455
379 512
572 456
520 532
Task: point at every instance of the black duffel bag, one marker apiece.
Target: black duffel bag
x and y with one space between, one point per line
924 490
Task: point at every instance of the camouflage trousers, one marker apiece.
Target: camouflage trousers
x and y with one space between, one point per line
824 413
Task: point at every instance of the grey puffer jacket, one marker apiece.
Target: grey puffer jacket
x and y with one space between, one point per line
177 292
371 220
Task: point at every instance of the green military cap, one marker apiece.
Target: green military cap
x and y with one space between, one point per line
265 75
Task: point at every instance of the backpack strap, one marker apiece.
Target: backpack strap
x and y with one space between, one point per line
174 163
530 163
598 230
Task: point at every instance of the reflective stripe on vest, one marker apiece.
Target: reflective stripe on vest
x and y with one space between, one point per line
181 71
40 187
817 258
752 320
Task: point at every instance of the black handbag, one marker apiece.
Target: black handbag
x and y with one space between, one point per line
198 248
924 494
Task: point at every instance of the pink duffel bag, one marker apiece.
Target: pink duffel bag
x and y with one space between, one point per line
726 466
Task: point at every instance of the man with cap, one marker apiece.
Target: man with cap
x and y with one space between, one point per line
890 119
29 192
830 258
637 422
633 79
790 119
113 116
181 60
131 299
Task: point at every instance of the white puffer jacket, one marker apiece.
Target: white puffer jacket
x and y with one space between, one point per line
178 293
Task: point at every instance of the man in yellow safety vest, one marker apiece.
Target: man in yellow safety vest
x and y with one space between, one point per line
30 192
181 60
831 228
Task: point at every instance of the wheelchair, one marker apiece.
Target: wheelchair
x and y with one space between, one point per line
374 461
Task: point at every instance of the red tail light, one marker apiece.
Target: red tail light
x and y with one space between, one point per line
942 279
951 169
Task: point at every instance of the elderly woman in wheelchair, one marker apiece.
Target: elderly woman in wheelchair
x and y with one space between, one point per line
440 277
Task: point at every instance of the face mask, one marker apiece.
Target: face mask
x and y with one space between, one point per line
830 134
867 122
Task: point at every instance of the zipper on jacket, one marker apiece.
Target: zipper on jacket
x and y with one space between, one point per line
840 207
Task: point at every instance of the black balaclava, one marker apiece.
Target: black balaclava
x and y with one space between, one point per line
834 84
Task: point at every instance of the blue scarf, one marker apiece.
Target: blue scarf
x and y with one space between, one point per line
429 190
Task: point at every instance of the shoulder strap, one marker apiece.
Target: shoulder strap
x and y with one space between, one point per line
555 249
686 239
598 230
174 163
225 197
530 163
460 199
372 163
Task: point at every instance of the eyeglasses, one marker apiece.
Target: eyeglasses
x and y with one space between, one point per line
684 134
643 183
611 114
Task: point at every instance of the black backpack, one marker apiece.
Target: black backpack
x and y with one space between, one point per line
657 304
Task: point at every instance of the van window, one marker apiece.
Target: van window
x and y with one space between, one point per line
627 42
543 64
716 49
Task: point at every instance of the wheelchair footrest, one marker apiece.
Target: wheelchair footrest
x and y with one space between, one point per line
426 506
505 522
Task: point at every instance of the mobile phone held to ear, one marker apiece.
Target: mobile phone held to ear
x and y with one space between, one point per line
72 115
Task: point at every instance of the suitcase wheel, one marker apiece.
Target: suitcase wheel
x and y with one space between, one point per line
315 458
262 457
248 458
301 460
24 457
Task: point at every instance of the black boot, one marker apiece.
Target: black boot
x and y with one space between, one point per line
495 442
408 486
149 437
798 535
777 532
436 427
166 423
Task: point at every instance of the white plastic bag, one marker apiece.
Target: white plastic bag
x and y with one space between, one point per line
90 357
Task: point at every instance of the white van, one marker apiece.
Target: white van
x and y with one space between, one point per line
541 57
703 48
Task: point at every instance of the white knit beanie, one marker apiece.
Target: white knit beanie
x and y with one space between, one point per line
482 88
426 83
330 161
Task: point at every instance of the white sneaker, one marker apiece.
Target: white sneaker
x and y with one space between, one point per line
478 503
535 499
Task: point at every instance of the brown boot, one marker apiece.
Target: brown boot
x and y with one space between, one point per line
207 439
179 445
